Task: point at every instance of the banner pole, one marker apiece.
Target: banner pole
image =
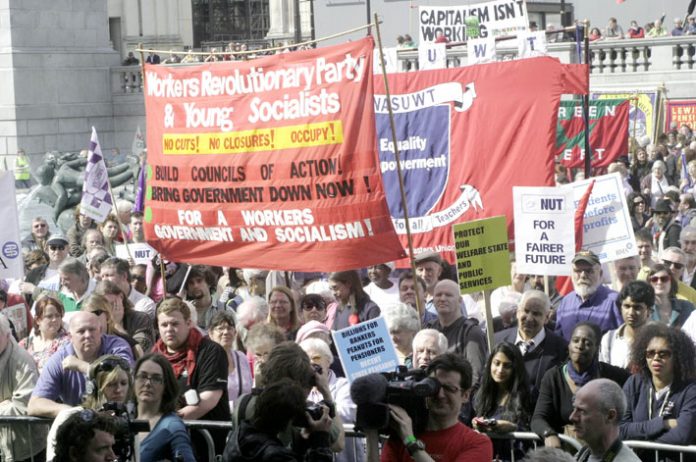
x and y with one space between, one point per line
489 319
120 225
397 156
586 104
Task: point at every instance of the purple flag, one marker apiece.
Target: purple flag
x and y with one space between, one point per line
139 205
96 197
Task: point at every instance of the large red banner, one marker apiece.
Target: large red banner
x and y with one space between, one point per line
608 132
682 111
466 136
269 163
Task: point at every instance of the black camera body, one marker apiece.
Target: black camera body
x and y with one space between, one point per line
126 429
409 389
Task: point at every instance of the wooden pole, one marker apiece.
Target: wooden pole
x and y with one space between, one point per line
489 319
397 157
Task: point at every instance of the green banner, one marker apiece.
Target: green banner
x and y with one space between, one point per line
483 257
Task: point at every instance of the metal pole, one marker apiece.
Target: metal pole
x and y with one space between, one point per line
586 105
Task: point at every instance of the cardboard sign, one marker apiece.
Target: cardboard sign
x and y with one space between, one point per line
366 348
141 252
607 229
544 233
483 258
18 315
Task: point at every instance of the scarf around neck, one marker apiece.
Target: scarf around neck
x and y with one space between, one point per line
185 358
581 379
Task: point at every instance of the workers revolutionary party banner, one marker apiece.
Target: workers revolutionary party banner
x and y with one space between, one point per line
268 163
682 111
642 115
608 132
465 137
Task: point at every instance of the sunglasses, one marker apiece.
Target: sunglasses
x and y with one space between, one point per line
638 202
662 354
673 263
39 226
110 364
313 307
56 247
662 279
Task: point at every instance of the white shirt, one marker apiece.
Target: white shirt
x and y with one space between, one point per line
615 348
142 303
383 297
536 341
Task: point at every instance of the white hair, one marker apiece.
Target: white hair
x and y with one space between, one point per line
252 310
401 316
441 339
318 345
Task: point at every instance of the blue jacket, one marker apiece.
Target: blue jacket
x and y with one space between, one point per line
637 426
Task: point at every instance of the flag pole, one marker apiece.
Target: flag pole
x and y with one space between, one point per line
397 156
586 103
120 224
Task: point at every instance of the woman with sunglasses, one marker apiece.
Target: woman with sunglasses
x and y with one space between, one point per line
637 210
668 308
156 393
49 333
503 403
109 380
222 331
662 395
559 385
313 308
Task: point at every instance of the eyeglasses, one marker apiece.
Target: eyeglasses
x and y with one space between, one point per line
98 312
40 226
56 247
662 354
673 263
154 379
662 279
313 307
224 327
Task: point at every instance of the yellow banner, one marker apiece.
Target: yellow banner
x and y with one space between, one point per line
260 139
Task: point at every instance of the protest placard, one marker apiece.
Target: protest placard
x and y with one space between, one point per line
267 163
466 136
608 132
18 315
607 229
483 258
490 18
141 252
366 348
544 230
11 261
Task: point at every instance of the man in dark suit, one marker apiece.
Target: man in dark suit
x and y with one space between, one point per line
540 347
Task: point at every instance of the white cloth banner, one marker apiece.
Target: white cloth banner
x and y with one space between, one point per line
391 61
544 229
480 50
96 198
443 93
11 261
432 56
531 44
498 17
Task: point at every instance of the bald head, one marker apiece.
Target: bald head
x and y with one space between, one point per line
85 335
447 301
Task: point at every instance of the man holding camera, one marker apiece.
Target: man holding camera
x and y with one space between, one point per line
444 438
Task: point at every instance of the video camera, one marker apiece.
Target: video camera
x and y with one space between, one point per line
406 388
126 429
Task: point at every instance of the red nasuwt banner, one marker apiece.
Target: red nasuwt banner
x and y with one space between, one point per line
466 136
608 132
681 111
269 163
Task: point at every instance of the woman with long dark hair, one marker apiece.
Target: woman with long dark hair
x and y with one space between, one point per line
662 396
503 403
637 209
352 305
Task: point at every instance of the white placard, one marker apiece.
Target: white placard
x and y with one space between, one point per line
141 252
480 50
531 44
11 261
391 61
432 56
607 229
544 229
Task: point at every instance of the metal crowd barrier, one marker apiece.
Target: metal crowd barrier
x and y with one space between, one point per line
657 447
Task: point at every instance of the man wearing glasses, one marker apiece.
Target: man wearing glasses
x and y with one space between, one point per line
668 229
444 438
39 235
589 300
46 276
675 259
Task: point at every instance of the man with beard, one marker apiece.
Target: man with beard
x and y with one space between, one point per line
444 437
687 239
198 285
589 301
540 347
668 230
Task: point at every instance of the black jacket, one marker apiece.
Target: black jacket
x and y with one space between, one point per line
551 352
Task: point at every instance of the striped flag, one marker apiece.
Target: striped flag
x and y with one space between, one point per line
96 197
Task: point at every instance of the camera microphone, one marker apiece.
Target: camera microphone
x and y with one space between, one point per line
369 389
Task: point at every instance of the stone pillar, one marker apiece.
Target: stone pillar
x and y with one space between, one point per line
282 20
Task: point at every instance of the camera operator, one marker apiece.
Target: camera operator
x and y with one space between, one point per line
87 436
444 438
276 407
288 361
